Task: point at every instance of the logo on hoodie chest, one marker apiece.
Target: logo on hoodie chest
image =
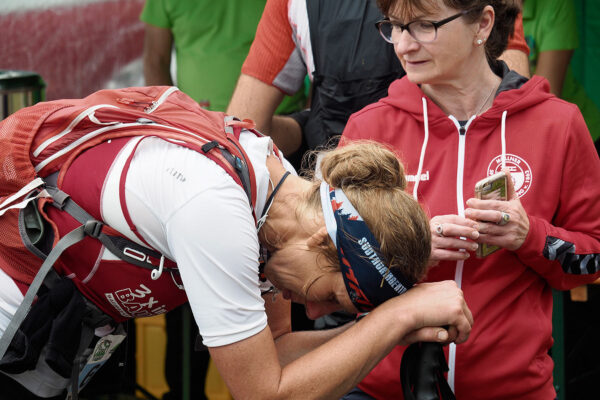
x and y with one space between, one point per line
520 171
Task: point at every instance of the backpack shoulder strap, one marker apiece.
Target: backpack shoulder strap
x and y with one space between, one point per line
119 246
67 241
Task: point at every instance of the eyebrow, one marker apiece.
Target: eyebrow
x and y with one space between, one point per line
413 18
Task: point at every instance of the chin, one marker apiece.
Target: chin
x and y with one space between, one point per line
417 75
417 79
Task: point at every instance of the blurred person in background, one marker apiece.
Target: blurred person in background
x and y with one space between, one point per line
551 33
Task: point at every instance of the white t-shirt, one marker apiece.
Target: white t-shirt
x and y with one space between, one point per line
192 211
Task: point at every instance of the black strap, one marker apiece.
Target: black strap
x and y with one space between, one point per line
272 196
121 247
422 373
242 170
269 202
87 334
313 11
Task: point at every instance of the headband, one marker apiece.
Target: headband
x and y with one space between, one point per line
368 279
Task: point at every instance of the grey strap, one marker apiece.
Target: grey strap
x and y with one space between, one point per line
93 228
75 236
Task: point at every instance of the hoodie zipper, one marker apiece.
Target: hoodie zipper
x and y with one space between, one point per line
460 206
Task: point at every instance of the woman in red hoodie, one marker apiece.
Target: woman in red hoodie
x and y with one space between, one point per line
458 116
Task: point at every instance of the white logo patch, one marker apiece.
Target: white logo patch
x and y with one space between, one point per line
413 178
520 171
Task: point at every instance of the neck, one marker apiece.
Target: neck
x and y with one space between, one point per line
471 95
281 220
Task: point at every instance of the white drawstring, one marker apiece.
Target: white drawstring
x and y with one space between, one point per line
503 137
425 140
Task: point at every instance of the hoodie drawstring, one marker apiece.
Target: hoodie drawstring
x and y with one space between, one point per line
422 156
503 138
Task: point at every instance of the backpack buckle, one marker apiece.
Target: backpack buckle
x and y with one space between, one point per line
93 228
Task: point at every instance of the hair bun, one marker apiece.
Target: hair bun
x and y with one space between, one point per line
363 164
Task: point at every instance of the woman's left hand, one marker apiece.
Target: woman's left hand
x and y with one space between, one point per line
501 223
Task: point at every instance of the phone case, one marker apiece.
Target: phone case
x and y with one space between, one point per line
491 188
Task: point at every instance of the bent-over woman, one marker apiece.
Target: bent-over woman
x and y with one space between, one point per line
353 240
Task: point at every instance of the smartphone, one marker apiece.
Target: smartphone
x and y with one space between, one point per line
491 188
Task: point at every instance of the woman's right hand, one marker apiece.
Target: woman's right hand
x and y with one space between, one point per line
446 242
440 313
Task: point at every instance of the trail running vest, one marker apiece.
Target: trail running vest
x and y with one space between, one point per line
57 139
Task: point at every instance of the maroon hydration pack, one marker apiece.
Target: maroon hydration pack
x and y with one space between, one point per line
38 144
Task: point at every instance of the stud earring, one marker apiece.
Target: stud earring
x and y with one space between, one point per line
479 42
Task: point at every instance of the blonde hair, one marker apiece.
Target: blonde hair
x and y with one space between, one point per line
372 177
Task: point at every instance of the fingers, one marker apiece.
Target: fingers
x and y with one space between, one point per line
440 304
428 334
438 255
453 243
498 216
454 220
448 233
434 335
500 223
510 189
450 230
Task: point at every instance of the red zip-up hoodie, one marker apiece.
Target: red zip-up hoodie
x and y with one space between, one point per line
557 176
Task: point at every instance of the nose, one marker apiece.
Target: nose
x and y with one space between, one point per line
405 43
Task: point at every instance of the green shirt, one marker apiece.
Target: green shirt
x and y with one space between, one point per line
552 25
212 39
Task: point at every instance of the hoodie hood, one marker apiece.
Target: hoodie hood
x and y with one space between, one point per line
515 93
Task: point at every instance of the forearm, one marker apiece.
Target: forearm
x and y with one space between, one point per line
517 61
157 74
553 65
294 345
157 55
286 134
252 370
334 368
565 259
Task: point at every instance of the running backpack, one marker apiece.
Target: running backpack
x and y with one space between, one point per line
39 141
37 146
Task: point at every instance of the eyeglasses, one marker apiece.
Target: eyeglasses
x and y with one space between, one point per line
422 31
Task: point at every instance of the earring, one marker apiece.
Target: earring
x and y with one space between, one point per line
479 42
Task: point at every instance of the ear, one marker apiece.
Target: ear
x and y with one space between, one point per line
486 23
319 238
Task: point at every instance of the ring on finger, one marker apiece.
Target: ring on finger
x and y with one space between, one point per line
504 218
439 229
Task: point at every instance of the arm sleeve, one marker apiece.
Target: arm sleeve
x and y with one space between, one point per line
566 251
517 40
213 238
155 13
273 57
559 29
